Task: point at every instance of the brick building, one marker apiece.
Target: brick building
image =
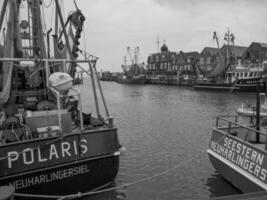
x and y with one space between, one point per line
168 67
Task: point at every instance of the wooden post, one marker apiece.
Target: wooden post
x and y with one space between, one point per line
229 127
217 122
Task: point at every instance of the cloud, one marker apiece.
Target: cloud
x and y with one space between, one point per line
112 25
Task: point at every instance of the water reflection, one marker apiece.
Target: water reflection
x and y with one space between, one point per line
218 186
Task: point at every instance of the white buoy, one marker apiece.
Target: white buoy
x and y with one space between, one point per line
61 81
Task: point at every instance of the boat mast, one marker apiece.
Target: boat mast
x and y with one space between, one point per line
136 54
215 37
129 52
59 14
229 38
125 61
2 14
37 31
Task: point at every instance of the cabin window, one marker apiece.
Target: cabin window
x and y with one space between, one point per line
246 74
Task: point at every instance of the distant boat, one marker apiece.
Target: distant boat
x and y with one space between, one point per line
247 78
133 73
229 87
213 65
138 79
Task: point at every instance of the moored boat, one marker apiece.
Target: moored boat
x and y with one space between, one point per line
133 73
139 79
48 144
214 86
238 151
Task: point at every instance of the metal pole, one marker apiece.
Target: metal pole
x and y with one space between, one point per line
3 13
258 112
94 90
101 92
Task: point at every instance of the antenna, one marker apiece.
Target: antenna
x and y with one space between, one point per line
158 43
229 38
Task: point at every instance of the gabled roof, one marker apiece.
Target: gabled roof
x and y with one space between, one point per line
264 45
209 50
191 54
238 51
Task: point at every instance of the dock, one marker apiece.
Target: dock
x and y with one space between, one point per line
247 196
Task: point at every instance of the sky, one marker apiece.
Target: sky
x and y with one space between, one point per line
188 25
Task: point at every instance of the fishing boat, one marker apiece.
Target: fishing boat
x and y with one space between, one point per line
238 150
49 145
246 76
220 69
133 73
213 64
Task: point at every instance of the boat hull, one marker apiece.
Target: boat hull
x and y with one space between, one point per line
72 178
249 85
213 86
239 162
60 166
141 80
235 178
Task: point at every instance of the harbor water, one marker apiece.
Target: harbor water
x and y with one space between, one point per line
162 128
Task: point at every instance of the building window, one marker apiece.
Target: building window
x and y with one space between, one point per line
188 60
201 60
208 60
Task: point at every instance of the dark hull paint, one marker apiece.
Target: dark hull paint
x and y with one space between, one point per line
78 170
99 172
214 86
249 85
132 81
234 177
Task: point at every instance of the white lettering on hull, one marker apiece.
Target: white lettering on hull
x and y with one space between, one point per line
31 156
50 177
243 156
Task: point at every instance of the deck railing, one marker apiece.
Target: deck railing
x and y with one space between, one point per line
231 123
47 64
